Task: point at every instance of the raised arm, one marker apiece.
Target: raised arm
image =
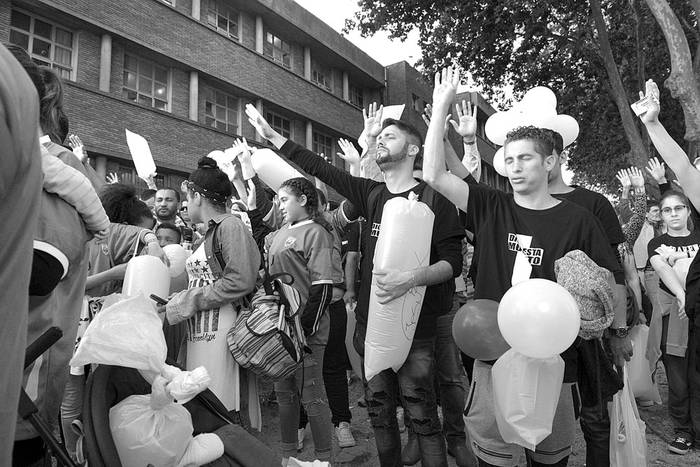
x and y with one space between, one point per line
668 148
434 171
454 165
466 126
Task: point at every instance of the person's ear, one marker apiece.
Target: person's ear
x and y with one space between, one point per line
549 162
412 150
303 200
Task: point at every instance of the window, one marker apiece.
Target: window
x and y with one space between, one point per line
280 124
222 18
145 82
48 44
417 104
221 110
323 144
277 49
357 96
321 76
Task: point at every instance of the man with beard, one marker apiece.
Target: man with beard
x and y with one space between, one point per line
399 151
167 206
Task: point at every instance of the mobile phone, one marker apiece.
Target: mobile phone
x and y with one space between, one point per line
641 106
158 300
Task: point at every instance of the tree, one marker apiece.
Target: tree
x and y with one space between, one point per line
596 55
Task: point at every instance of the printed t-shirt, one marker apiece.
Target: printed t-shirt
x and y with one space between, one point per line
689 243
206 336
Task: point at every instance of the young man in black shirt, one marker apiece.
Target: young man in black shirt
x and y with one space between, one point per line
518 236
399 148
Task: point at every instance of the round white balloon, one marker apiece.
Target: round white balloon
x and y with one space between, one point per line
499 162
538 115
565 125
176 255
538 318
499 124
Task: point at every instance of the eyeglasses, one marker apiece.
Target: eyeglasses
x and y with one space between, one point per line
669 210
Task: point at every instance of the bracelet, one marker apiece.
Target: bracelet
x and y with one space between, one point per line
469 143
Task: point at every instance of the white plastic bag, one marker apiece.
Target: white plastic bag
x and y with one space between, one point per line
628 446
525 395
145 435
128 333
639 375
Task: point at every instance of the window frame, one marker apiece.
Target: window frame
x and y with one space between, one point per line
58 67
215 105
270 117
155 65
329 144
356 91
216 6
322 76
269 49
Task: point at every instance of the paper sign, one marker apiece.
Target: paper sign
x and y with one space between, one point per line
390 111
141 155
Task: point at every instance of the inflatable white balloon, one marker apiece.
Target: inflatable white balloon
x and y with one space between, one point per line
148 275
540 96
403 244
538 318
565 125
499 162
272 169
499 124
538 115
176 255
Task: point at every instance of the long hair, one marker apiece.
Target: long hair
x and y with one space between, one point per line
122 205
301 186
52 118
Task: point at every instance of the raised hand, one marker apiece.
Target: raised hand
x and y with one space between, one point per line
624 178
466 121
349 154
112 178
636 177
373 120
78 147
653 107
259 123
445 89
657 170
240 147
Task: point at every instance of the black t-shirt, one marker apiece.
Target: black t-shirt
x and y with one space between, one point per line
688 243
503 229
601 209
369 198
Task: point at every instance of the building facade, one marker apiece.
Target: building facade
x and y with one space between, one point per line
180 72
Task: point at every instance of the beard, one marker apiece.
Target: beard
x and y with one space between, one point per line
386 158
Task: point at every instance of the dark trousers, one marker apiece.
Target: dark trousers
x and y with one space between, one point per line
414 384
694 379
595 424
335 364
678 385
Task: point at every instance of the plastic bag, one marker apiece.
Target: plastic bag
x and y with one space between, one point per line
146 435
525 395
641 384
128 333
628 446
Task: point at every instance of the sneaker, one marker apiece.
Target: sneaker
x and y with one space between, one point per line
681 445
301 432
344 435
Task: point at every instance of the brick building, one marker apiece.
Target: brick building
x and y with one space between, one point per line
179 72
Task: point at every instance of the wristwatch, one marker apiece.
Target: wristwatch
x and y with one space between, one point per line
619 332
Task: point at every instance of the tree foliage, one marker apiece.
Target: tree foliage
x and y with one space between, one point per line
518 44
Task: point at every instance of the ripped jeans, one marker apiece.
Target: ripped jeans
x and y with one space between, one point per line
309 382
414 383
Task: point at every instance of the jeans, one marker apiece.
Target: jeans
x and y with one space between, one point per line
450 378
414 383
595 424
335 364
677 376
309 381
694 380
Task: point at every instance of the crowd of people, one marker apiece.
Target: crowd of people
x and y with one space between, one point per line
81 232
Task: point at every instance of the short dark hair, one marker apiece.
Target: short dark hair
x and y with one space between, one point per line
171 226
413 135
558 142
122 205
147 194
177 192
543 139
651 203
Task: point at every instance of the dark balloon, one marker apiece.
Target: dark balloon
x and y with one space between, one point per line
475 330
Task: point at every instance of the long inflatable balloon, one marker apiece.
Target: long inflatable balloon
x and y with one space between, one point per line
272 169
403 244
148 275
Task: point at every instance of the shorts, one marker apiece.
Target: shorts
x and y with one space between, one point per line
486 440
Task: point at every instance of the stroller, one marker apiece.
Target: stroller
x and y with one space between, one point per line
109 385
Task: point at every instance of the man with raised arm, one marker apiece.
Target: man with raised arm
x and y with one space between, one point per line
518 236
399 150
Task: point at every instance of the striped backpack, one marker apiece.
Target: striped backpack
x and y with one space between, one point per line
267 338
